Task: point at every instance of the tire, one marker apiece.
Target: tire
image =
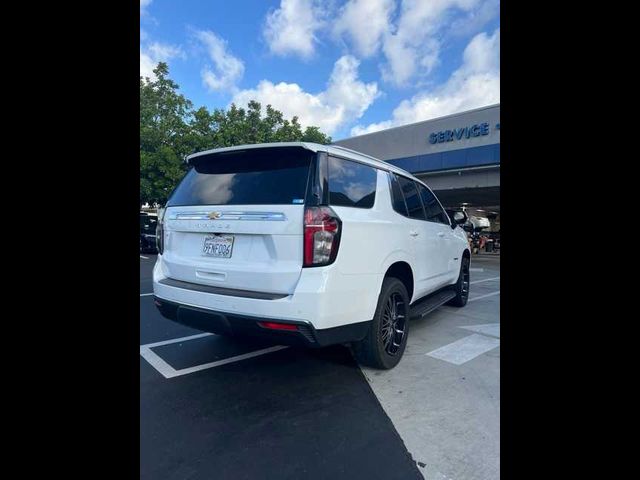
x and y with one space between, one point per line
378 349
462 285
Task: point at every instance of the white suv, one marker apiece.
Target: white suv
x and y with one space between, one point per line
307 244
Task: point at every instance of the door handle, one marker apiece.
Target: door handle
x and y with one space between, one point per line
441 234
413 233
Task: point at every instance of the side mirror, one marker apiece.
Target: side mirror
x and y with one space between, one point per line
458 218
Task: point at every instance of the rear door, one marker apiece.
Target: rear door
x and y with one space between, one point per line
437 214
236 220
439 227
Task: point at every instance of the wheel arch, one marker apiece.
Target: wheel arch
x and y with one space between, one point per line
403 272
397 263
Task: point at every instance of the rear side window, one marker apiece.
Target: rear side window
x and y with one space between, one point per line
397 199
351 184
412 198
435 213
270 176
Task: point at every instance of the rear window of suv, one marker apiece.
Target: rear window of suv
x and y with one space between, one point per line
270 176
351 184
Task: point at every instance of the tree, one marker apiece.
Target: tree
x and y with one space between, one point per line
170 129
164 115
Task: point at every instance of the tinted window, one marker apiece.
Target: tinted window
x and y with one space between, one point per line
412 198
351 184
249 177
397 199
435 213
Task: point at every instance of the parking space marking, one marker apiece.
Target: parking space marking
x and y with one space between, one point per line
158 363
491 329
167 371
146 258
484 296
476 269
465 349
485 280
176 340
146 294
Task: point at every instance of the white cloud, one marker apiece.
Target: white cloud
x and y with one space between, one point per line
476 19
227 70
343 101
411 39
153 53
291 29
143 6
475 84
414 42
364 22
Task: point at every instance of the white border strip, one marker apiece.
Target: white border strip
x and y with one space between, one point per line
466 349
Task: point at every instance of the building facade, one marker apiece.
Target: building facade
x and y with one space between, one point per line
458 156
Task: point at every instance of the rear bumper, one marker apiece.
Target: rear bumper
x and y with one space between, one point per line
323 297
224 323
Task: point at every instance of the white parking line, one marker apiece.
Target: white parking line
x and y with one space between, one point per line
485 280
168 371
476 269
146 294
176 340
484 296
491 329
146 258
465 349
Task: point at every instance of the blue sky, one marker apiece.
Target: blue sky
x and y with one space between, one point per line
347 66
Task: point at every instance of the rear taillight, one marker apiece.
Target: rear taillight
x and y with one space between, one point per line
160 238
321 236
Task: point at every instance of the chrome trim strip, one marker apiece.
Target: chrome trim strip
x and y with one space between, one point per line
265 216
231 292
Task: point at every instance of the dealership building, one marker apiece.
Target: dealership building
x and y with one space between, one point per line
458 156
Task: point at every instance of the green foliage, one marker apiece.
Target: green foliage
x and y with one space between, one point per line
170 129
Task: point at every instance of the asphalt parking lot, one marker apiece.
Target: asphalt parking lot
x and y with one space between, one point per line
212 407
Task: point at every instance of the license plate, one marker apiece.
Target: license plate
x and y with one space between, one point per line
218 246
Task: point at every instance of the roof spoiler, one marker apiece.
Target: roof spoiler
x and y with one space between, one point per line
240 148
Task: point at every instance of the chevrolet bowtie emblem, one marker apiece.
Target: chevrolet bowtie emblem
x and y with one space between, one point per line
214 215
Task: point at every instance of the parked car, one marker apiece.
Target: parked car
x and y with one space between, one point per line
148 225
479 223
307 244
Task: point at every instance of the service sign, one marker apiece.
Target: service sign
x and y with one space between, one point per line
475 130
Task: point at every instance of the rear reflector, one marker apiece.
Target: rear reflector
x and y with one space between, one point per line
278 326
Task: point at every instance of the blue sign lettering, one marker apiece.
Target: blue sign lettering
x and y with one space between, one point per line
475 130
